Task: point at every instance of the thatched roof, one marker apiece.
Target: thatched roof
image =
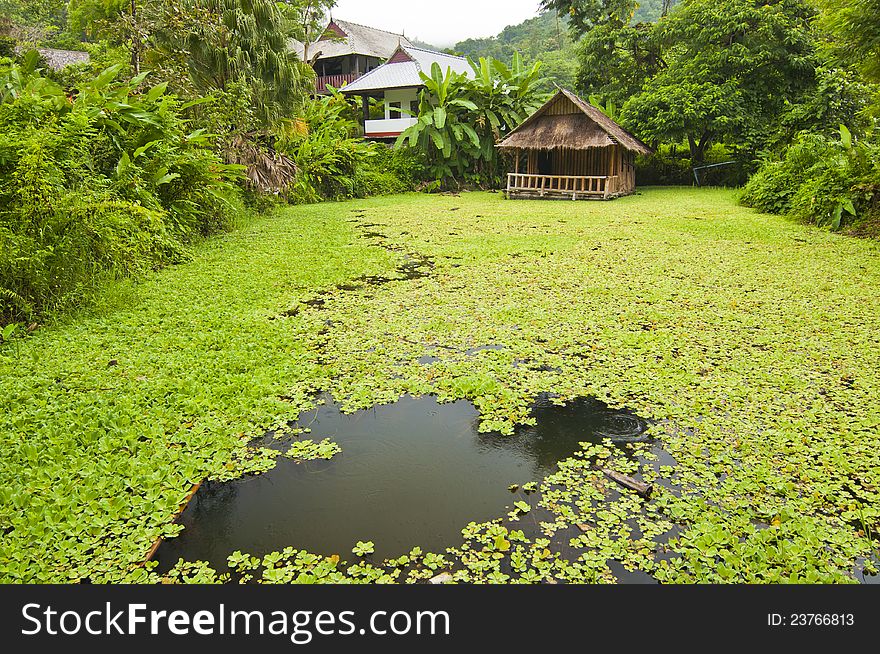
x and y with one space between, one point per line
566 121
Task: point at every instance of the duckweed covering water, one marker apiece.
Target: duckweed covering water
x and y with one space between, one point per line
751 341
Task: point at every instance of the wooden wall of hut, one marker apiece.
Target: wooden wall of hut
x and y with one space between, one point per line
613 161
593 162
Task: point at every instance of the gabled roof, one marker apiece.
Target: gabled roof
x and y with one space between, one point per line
580 126
58 59
344 39
402 70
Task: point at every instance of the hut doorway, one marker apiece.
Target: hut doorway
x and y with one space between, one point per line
545 162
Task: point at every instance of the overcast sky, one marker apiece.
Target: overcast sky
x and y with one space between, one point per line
439 22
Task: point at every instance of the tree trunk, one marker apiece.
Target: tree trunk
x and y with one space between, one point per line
135 40
692 144
698 150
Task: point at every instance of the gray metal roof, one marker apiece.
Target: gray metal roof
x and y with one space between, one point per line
58 59
360 40
405 74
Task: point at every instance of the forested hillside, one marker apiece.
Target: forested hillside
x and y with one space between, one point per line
546 38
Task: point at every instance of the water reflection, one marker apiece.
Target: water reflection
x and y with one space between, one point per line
411 473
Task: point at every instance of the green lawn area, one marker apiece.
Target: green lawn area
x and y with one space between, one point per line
751 340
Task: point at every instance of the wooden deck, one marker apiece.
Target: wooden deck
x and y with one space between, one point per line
561 187
336 81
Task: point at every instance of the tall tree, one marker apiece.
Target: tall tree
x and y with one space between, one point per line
584 15
855 26
308 20
115 21
615 61
232 41
732 67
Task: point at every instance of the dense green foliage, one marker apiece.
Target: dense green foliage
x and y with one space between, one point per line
205 46
742 78
586 15
748 338
34 13
720 72
462 118
113 173
333 162
224 41
650 11
820 180
822 177
110 181
854 26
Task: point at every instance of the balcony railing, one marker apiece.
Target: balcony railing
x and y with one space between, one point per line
336 81
556 185
388 128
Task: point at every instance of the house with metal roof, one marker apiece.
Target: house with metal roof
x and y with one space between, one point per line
346 51
398 83
59 59
569 149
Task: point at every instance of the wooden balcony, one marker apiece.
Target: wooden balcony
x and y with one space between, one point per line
336 81
561 187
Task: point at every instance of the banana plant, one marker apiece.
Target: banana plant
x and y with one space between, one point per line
505 97
845 204
462 117
608 108
443 127
25 80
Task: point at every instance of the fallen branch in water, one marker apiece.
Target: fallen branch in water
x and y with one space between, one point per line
639 487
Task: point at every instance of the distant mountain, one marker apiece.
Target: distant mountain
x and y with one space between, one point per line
425 46
545 38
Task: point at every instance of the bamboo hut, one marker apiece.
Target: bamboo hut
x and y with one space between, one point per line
570 150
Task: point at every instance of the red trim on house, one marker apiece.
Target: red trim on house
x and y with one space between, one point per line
333 27
383 135
336 81
399 57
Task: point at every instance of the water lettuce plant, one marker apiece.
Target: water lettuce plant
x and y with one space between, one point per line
749 339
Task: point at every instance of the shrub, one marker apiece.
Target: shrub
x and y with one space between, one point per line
387 172
825 181
333 162
99 180
772 188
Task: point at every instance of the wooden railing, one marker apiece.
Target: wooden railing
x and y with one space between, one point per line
336 81
561 184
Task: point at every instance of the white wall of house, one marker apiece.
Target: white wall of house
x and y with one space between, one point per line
401 98
394 122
